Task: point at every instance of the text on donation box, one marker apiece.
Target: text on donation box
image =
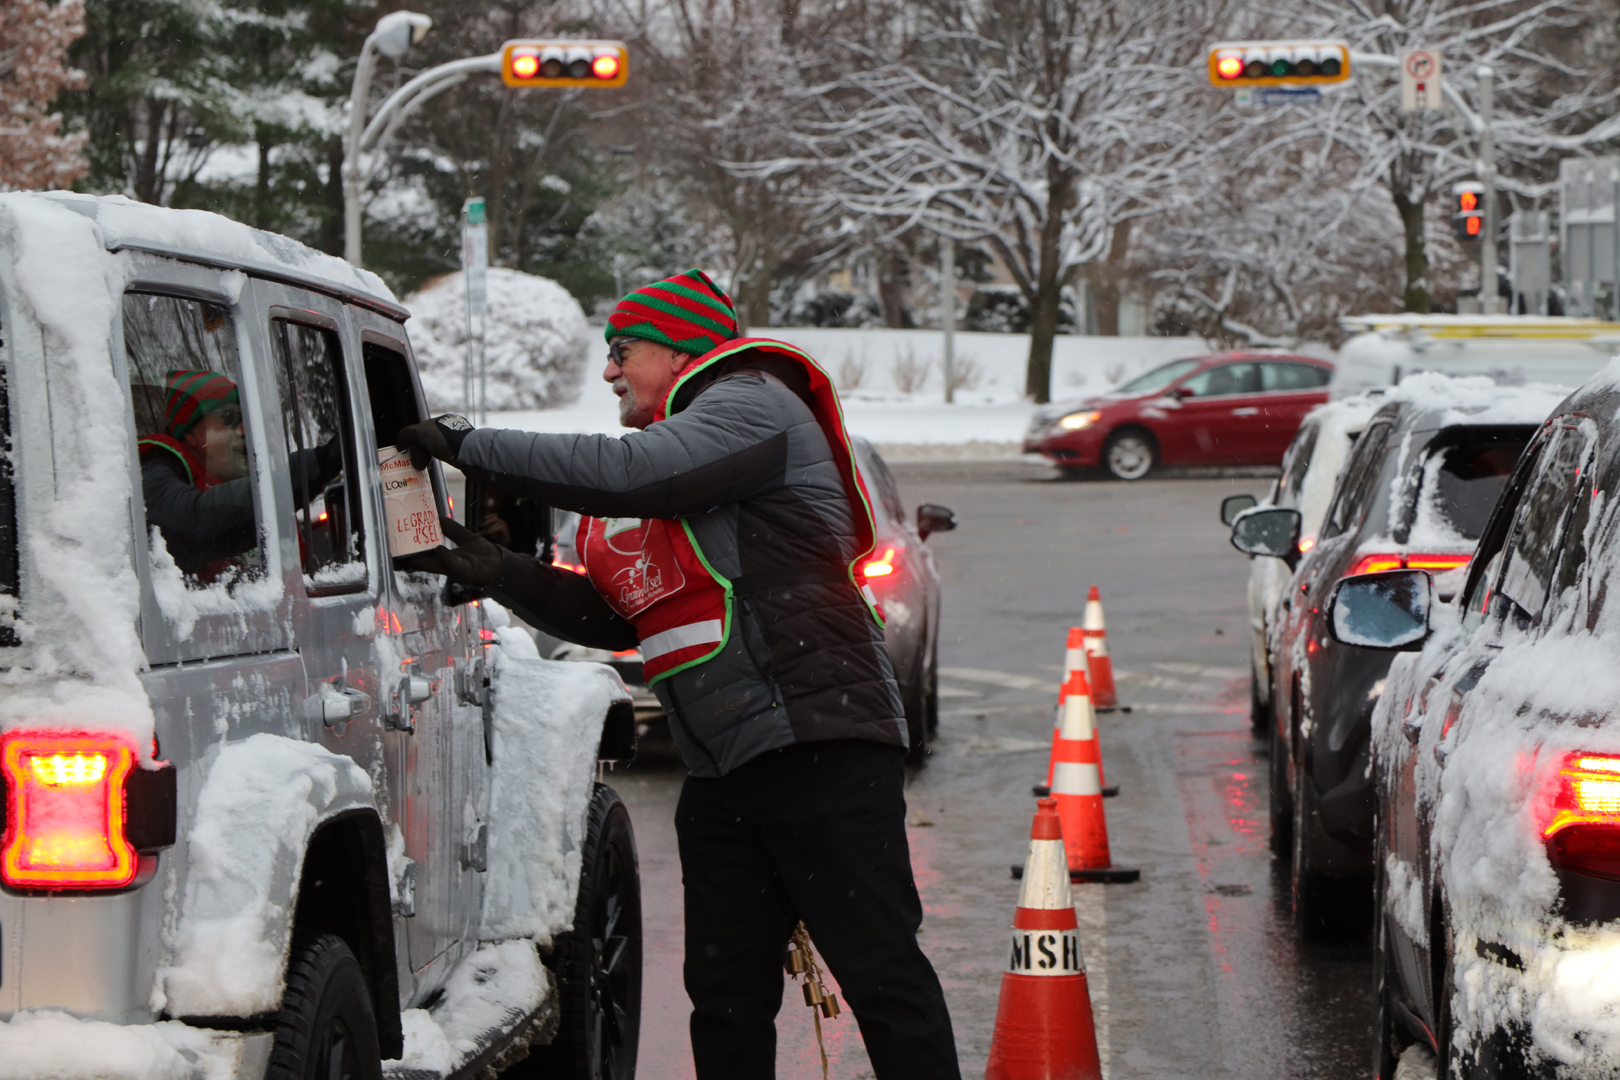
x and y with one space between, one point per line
413 517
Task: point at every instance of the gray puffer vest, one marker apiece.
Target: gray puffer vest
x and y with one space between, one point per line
742 459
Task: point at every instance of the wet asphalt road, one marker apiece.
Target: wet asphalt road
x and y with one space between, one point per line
1194 971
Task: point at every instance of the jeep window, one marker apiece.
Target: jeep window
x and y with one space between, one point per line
320 445
196 461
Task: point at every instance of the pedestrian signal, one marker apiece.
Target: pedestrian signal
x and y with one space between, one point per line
1278 63
1468 221
556 64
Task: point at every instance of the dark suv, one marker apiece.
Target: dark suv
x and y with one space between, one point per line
1415 493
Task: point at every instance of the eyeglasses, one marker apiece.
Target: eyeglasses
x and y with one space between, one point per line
230 417
616 349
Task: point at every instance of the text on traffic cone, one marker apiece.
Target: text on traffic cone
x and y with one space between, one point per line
1044 1027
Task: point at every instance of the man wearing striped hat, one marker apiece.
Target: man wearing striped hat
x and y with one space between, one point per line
720 538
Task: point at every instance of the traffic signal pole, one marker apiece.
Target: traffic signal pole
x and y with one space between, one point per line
1479 125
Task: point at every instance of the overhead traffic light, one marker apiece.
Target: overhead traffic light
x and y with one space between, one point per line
1278 63
558 64
1468 199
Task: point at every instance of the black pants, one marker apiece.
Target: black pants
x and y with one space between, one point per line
814 832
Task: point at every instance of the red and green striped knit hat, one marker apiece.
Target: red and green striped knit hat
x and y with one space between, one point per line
193 395
687 312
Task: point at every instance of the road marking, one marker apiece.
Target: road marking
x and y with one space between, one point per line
1091 911
956 691
1206 670
1187 708
975 745
999 678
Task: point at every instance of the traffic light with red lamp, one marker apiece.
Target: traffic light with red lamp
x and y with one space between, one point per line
1278 63
600 65
1468 203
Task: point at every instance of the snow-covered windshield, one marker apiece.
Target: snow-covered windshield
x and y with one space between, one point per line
1460 485
1158 378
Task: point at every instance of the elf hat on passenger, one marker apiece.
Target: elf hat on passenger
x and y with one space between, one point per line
687 312
193 395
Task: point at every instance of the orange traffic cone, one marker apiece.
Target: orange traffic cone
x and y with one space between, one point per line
1077 787
1074 657
1101 669
1044 1028
1074 685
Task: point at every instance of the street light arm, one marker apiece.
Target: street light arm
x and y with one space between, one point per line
406 109
424 84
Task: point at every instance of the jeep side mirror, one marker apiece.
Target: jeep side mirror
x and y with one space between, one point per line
1383 611
1233 505
932 519
1267 530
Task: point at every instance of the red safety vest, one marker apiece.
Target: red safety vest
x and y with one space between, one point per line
653 572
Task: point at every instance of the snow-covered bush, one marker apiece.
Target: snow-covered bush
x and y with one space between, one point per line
535 342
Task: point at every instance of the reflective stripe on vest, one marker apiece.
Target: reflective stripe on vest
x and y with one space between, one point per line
707 632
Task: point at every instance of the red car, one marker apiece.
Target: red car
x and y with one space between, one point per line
1225 409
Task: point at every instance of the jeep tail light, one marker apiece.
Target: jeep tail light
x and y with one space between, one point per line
1584 833
65 811
879 567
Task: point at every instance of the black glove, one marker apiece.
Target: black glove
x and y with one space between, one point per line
474 562
437 438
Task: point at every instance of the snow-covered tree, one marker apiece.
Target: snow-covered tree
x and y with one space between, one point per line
536 341
34 39
1553 92
1035 126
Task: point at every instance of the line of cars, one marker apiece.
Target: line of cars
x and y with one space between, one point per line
1441 661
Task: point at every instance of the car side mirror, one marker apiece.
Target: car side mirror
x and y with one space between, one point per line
1267 530
1383 611
1182 393
1233 505
932 519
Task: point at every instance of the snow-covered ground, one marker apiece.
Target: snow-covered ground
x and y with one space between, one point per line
893 389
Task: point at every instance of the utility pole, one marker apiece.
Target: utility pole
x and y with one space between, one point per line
1489 302
393 36
947 312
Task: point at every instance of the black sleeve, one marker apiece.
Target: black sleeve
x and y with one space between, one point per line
729 445
560 602
180 510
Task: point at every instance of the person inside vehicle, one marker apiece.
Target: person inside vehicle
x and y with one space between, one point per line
194 477
719 538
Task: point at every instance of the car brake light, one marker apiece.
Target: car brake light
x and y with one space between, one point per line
1306 543
65 811
880 567
1375 564
562 564
1584 834
1437 562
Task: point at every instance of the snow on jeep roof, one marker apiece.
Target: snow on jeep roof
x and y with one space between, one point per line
200 234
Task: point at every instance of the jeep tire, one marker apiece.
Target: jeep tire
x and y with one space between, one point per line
326 1029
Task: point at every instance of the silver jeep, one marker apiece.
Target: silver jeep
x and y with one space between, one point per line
275 806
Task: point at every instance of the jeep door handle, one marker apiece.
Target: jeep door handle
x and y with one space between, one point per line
339 705
1412 729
